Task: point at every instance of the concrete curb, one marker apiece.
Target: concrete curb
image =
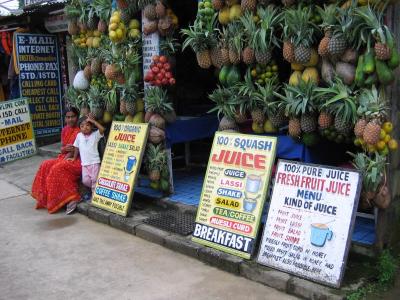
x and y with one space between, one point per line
249 269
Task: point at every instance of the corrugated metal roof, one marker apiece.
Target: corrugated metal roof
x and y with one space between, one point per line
9 7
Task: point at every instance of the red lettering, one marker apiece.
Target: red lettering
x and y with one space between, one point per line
244 160
125 137
259 161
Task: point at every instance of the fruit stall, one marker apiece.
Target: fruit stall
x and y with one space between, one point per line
321 76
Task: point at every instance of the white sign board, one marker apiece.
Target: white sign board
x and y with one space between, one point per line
151 47
310 221
17 139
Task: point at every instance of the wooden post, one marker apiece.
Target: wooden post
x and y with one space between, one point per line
388 229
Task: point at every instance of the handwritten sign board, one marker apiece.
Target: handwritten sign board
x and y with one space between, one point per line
310 221
39 79
234 192
120 167
16 132
151 47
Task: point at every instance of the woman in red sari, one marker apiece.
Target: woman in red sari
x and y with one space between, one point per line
56 182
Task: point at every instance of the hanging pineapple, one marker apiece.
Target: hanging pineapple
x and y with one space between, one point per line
155 161
339 100
96 102
225 104
264 38
235 41
300 106
329 20
198 38
298 34
250 27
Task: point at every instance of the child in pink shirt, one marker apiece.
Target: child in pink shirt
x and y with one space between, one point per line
86 145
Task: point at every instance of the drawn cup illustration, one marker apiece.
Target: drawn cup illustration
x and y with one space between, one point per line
130 163
249 204
253 183
320 233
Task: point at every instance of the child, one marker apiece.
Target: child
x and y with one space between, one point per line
86 145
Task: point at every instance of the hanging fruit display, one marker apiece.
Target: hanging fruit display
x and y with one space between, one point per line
160 73
262 74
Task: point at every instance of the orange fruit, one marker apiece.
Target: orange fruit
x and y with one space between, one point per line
381 145
393 145
382 135
371 148
388 127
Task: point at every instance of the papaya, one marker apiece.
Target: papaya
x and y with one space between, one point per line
385 75
164 185
233 76
360 76
394 60
371 80
369 62
119 117
223 74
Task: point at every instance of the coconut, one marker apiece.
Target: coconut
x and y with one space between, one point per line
156 135
350 56
170 117
80 81
327 71
147 116
346 72
157 121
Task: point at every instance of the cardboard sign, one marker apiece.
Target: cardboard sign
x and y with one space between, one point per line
120 167
39 80
234 192
16 132
310 221
151 47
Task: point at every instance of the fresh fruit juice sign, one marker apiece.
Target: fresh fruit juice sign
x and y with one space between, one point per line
120 166
16 132
39 80
234 192
310 221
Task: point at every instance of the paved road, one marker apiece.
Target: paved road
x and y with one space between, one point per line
46 256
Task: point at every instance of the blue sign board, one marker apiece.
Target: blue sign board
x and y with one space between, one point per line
40 80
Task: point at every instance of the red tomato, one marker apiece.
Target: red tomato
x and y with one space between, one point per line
167 66
160 76
155 58
150 73
162 71
172 81
164 81
158 82
155 70
168 75
163 59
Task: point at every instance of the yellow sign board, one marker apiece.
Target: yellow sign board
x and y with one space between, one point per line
120 167
234 192
17 139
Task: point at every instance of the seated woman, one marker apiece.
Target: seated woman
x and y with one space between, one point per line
56 182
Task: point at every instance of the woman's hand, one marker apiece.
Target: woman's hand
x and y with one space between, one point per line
69 148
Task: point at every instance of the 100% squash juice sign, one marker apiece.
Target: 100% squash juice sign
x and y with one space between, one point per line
234 192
